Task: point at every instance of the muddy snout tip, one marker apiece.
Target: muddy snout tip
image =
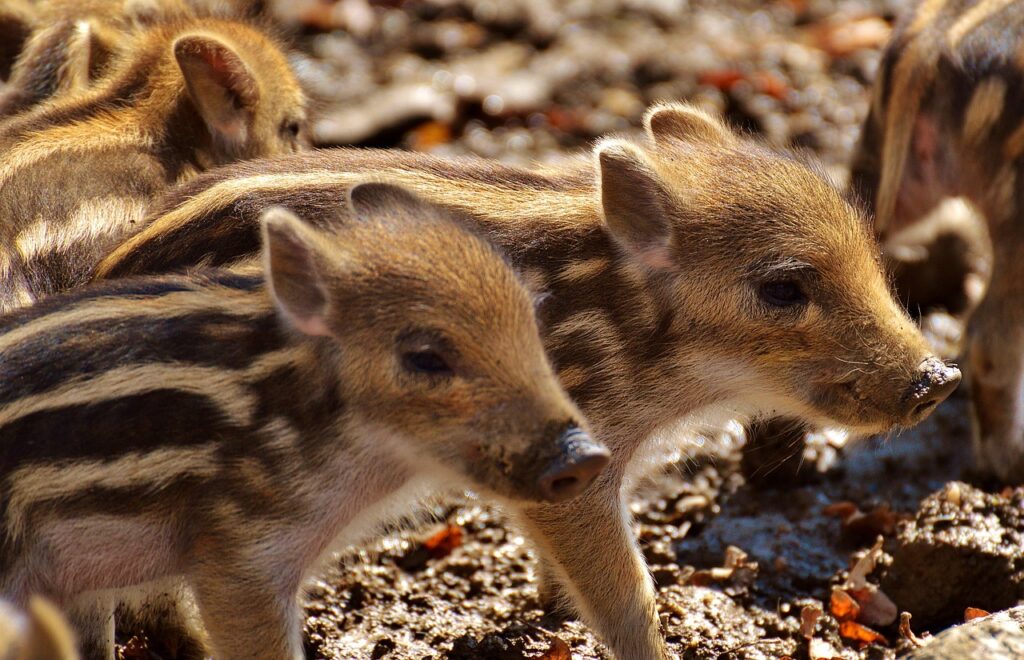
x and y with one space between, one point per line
934 382
580 460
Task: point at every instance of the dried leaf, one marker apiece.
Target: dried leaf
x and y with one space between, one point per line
880 520
809 616
855 632
703 578
443 542
567 121
972 613
430 134
844 38
723 79
769 83
843 606
864 566
558 650
906 632
876 608
841 510
735 557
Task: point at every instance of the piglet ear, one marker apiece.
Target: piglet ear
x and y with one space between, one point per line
293 264
86 51
678 121
373 199
635 203
17 22
220 85
151 12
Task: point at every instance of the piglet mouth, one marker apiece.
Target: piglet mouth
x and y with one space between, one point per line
846 403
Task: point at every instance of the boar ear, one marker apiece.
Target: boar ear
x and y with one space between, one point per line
151 12
294 269
50 635
635 203
84 47
16 25
675 121
220 85
366 200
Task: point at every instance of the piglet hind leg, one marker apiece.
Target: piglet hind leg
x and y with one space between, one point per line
92 619
588 542
249 613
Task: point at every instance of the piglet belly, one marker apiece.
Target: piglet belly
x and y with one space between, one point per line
108 552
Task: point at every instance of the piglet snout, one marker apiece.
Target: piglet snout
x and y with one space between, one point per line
934 382
578 463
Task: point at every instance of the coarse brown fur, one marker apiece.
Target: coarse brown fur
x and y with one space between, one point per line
62 46
70 43
947 120
231 427
660 265
78 173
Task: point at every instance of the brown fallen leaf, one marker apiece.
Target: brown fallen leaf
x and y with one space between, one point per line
855 632
704 577
843 38
809 616
567 121
443 542
843 606
876 608
558 650
972 613
841 510
734 557
723 79
907 633
430 134
880 520
864 566
771 84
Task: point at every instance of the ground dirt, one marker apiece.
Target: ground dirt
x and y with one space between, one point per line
743 545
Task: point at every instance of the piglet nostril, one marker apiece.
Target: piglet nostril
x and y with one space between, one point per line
921 409
581 460
562 485
935 381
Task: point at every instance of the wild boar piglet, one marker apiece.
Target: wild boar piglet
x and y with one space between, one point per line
947 120
229 428
78 174
68 45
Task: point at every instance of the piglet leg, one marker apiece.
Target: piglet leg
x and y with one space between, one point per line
589 542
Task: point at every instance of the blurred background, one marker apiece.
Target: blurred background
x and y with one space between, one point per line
523 80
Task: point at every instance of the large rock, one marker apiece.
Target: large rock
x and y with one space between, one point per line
996 637
963 549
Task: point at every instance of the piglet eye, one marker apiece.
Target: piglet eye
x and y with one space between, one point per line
291 129
782 293
426 362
